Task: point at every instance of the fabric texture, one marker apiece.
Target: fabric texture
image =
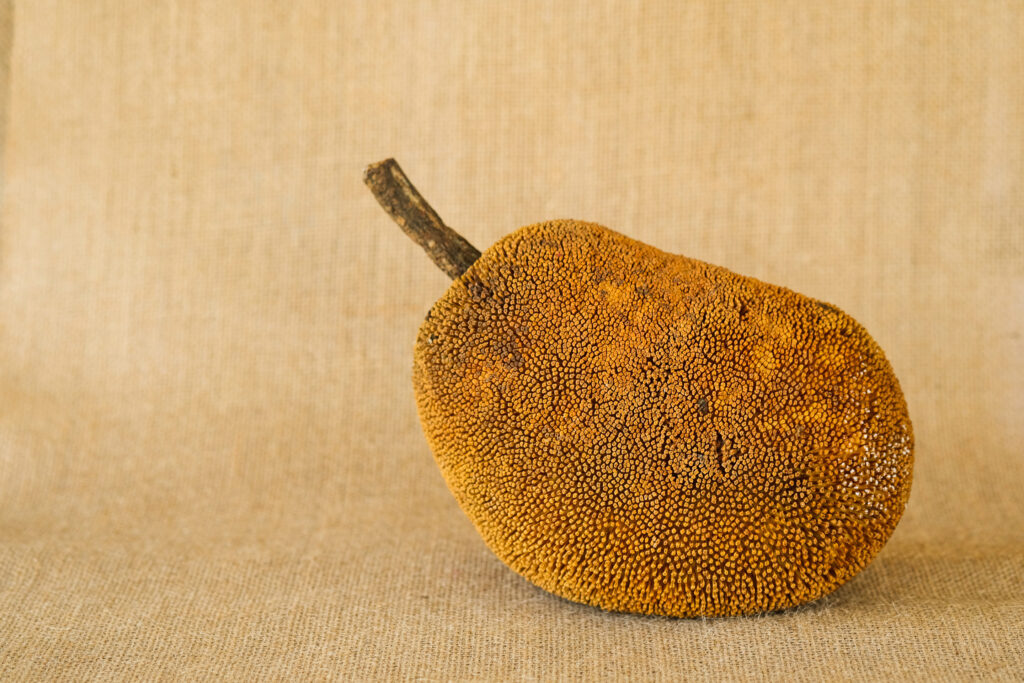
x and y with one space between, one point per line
210 460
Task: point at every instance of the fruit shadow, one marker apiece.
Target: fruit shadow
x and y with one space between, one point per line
903 576
936 574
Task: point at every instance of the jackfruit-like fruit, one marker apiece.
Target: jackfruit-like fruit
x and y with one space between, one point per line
649 433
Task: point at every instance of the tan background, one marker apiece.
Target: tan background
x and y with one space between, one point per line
210 460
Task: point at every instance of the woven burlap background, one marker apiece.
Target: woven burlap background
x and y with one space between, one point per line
210 460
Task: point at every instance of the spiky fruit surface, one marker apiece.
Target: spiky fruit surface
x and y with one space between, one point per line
649 433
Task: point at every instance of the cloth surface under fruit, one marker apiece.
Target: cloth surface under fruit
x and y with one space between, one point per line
210 460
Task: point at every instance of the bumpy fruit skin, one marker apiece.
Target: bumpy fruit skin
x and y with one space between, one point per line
648 433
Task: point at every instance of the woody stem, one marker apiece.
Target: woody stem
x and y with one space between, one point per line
448 249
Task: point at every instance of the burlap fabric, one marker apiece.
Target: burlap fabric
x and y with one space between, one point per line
210 460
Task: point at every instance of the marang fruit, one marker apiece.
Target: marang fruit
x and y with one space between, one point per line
649 433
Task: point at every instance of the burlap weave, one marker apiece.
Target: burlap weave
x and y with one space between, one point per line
210 460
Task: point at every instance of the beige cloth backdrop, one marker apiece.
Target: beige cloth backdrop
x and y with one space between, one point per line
210 460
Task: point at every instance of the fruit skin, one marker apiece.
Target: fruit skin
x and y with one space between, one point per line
648 433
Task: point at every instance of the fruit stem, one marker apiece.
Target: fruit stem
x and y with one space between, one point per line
448 249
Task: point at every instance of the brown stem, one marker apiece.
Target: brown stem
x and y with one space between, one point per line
447 248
